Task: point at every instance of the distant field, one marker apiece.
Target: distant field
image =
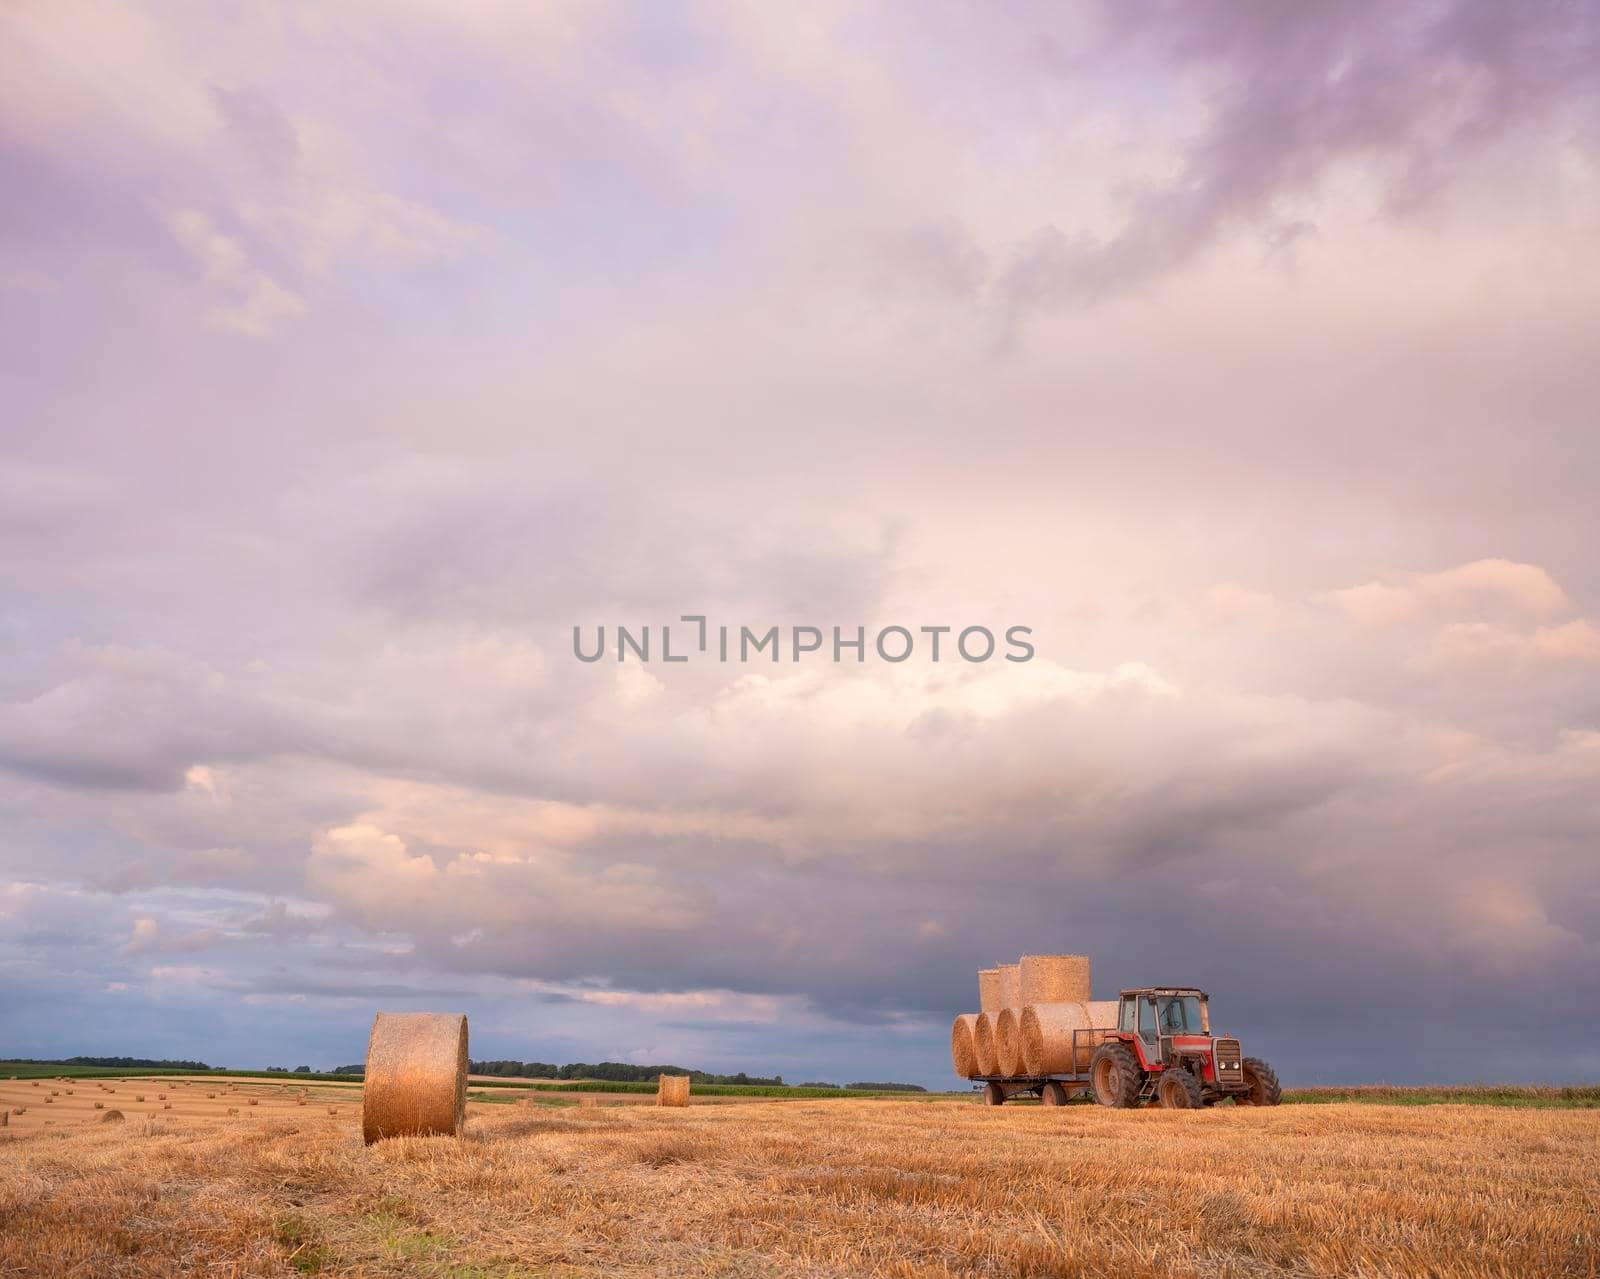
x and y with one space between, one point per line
560 1188
47 1070
1535 1096
37 1070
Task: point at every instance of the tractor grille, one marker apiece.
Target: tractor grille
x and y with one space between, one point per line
1226 1056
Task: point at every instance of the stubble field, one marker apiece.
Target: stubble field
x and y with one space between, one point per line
824 1188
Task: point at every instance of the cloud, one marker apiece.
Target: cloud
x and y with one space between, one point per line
579 317
253 303
1522 588
150 939
1418 93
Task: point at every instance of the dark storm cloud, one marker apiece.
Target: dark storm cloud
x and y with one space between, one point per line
1293 90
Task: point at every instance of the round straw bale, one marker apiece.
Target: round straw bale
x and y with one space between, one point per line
111 1117
989 990
983 1045
962 1054
1008 1042
416 1076
1047 1038
1011 985
1053 979
672 1090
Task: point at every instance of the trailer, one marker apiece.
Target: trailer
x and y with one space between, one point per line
1051 1090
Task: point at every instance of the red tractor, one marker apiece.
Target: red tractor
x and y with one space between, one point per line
1163 1050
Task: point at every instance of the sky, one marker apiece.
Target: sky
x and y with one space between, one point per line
352 356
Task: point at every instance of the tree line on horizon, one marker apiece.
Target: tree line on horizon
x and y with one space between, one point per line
607 1071
622 1072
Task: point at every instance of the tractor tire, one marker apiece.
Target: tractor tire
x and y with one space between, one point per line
994 1094
1053 1094
1179 1090
1116 1077
1262 1086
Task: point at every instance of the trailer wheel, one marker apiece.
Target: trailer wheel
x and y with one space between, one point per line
1261 1084
1116 1077
993 1094
1179 1090
1053 1094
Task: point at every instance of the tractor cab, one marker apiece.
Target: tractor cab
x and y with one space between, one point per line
1163 1050
1162 1022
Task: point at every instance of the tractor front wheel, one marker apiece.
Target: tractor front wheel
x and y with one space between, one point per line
1261 1084
1116 1077
1179 1090
993 1094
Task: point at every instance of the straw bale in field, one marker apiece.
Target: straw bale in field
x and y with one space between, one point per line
111 1117
672 1090
962 1054
1047 1034
1054 979
416 1076
989 990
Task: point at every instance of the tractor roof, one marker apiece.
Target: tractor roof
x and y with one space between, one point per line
1134 991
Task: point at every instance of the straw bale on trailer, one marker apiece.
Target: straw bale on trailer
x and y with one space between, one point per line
962 1053
1008 1042
983 1045
1053 979
416 1076
989 990
672 1090
1046 1034
1011 985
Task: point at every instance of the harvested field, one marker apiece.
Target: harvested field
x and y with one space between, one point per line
813 1188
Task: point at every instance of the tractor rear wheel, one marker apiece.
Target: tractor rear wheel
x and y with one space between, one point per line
993 1094
1179 1090
1053 1094
1261 1084
1116 1077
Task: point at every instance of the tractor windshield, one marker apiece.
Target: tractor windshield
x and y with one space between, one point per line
1180 1015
